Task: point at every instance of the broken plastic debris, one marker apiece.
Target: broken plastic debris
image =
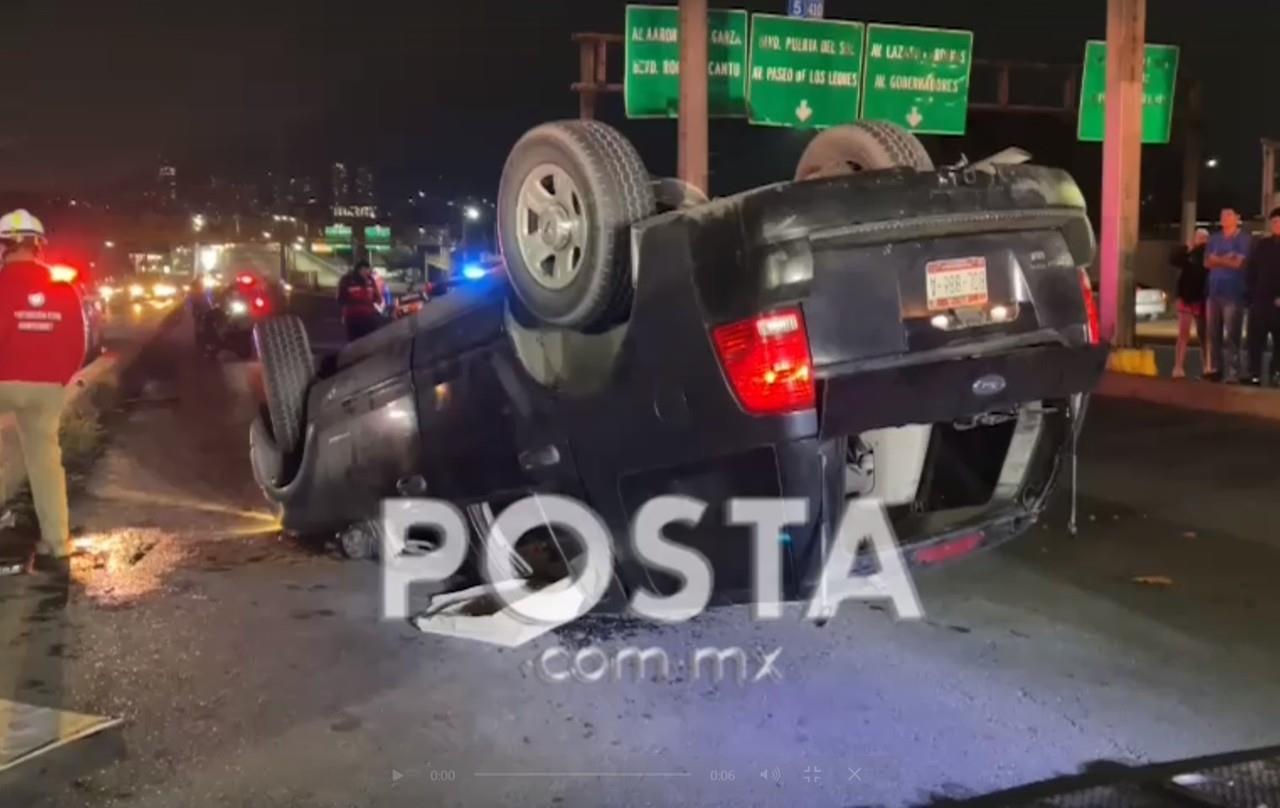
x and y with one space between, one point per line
1153 580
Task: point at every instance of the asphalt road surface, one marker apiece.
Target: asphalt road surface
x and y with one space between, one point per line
254 671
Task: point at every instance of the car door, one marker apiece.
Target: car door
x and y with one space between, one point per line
485 429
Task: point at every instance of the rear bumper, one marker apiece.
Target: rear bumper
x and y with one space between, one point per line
813 471
930 532
862 397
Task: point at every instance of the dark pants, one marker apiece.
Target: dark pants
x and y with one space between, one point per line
1264 321
1224 320
358 327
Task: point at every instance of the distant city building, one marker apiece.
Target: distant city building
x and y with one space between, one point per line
365 190
277 192
307 194
289 195
340 184
246 198
167 190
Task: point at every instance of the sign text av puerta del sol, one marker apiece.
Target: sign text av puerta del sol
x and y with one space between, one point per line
804 73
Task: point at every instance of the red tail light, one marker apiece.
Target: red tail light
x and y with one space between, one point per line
246 280
1090 308
767 361
60 273
949 549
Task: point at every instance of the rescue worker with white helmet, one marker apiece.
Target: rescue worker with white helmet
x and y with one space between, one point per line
42 345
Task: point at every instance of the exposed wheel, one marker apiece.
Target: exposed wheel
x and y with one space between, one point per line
569 194
863 146
287 369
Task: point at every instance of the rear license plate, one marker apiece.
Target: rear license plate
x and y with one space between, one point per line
956 283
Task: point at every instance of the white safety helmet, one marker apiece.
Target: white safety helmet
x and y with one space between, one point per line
20 225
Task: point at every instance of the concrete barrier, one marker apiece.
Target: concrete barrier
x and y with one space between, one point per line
1225 399
1138 361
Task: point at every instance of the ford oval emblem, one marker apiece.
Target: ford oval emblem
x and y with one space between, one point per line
990 385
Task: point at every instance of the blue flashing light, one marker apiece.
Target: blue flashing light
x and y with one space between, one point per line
473 272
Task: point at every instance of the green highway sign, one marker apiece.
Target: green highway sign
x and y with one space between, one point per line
1159 84
338 234
918 78
375 234
651 84
803 73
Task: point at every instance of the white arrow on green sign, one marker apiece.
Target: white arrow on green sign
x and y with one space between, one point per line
918 78
803 73
1159 84
651 84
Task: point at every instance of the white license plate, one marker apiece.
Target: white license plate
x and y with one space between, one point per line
956 283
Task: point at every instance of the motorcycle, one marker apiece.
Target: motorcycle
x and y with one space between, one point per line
226 322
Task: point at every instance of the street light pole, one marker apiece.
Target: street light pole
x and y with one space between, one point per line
1122 166
1191 161
693 137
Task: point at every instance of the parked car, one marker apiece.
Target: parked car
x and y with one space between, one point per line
93 303
147 288
437 284
1150 303
877 329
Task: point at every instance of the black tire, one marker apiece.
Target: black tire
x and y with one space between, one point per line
268 464
863 146
287 370
613 193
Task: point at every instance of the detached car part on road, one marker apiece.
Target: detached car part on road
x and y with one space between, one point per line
877 329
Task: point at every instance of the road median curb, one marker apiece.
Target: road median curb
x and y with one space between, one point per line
1184 394
1136 361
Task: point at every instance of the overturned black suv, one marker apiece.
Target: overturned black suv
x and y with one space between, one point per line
877 328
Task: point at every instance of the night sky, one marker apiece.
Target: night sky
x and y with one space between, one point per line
98 92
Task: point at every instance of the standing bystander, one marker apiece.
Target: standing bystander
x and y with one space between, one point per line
361 301
1262 278
1192 277
42 345
1225 257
